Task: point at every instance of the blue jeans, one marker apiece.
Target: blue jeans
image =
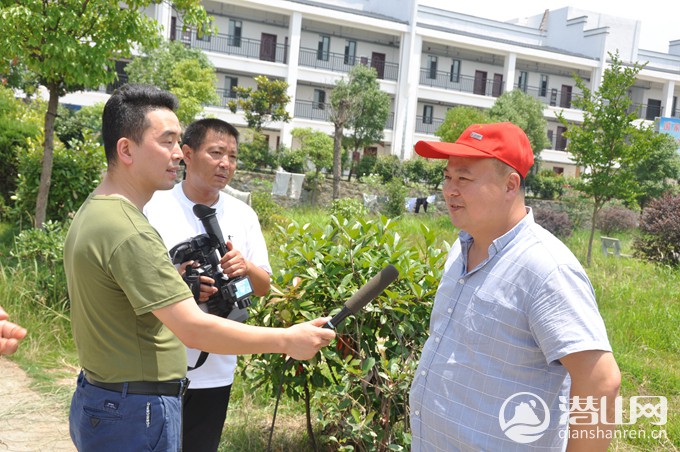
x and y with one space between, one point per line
108 421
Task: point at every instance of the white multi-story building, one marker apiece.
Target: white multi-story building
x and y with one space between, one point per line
428 60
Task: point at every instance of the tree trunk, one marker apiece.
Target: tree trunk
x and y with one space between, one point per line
337 160
308 412
47 159
596 209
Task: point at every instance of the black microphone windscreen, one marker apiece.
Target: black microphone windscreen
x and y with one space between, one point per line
372 288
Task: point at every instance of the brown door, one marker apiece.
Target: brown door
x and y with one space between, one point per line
268 47
378 63
565 98
497 85
480 83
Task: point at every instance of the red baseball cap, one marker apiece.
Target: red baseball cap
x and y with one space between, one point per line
502 140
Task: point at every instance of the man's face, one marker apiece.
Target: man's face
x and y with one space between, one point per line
474 191
157 156
212 166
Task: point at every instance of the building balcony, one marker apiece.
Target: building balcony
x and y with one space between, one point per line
317 111
235 45
339 62
427 124
462 83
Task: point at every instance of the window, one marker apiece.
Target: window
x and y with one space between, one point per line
561 141
427 114
432 67
523 82
324 48
229 84
558 170
674 111
455 71
319 99
350 52
543 89
653 109
234 38
551 138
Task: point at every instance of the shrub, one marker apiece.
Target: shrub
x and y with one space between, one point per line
659 239
545 185
388 167
395 204
558 223
266 208
348 208
366 166
40 256
616 219
75 173
365 378
255 153
292 160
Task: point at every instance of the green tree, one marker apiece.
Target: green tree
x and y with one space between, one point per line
185 72
350 100
71 45
457 120
265 104
74 125
608 144
658 171
317 147
367 125
525 112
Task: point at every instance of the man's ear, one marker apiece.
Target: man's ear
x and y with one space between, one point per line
124 150
188 154
513 182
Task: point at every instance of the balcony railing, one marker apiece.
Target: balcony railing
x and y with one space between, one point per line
235 45
462 83
320 112
225 95
338 62
428 125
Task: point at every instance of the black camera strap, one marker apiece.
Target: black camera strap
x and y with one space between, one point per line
201 360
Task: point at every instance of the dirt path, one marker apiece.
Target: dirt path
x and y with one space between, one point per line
29 421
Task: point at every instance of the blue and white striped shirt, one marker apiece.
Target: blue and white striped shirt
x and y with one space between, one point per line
498 330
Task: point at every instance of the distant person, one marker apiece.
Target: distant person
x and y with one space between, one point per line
514 318
210 148
130 308
10 334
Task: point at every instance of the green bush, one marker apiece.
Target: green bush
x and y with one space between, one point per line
39 254
659 239
545 185
292 160
266 208
558 223
365 166
396 194
73 126
75 173
388 167
255 154
366 377
428 171
348 208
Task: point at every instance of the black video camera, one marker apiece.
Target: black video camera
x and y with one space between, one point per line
233 294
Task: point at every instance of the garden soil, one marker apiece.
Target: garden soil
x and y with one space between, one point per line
29 421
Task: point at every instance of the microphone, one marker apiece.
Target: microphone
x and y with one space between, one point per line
364 295
212 227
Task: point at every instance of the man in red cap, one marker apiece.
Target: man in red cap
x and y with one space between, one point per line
516 340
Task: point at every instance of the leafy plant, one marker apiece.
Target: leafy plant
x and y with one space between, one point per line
616 218
558 223
659 238
348 208
365 378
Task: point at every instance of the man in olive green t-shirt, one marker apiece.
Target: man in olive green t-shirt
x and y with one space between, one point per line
130 307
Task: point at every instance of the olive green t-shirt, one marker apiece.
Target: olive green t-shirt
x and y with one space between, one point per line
118 271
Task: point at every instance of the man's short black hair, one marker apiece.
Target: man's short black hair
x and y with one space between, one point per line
125 114
195 133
